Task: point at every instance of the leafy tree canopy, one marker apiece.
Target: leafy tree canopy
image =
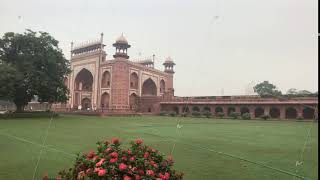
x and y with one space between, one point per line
266 89
32 64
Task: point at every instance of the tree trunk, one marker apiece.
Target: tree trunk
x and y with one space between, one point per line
20 108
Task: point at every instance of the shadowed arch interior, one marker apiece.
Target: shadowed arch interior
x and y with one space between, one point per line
105 82
231 110
134 80
84 80
218 109
291 113
133 101
196 109
86 104
206 109
105 99
149 88
308 113
244 110
162 86
258 112
274 113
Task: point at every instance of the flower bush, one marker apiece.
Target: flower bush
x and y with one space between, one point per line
111 162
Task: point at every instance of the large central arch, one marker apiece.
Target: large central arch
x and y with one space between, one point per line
149 88
84 80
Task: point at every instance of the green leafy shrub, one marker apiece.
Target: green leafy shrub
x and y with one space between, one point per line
207 114
246 116
172 113
184 114
220 114
196 114
300 118
265 117
110 161
234 115
163 113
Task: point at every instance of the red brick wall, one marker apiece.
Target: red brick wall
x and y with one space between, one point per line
120 86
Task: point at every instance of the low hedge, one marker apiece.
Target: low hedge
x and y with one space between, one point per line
234 115
220 114
207 114
246 116
41 114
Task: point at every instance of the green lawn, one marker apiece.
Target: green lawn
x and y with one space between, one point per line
200 146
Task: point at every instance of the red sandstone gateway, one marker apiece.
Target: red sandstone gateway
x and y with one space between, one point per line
119 85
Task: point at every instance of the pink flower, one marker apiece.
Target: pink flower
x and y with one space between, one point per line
122 166
139 141
114 154
96 170
102 172
132 159
89 171
45 177
153 150
124 158
146 155
137 177
126 178
58 178
150 173
100 162
155 165
115 141
166 176
95 158
141 172
113 160
109 149
129 152
161 175
90 155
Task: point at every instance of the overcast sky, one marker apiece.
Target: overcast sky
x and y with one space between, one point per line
219 46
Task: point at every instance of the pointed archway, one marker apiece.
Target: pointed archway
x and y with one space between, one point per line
149 88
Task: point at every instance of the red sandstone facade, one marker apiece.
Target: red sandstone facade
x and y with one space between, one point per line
123 86
118 85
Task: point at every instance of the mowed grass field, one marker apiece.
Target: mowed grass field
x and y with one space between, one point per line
200 146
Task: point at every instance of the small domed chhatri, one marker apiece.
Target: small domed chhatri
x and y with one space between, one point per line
169 61
121 46
168 65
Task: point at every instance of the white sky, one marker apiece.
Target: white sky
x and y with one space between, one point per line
250 41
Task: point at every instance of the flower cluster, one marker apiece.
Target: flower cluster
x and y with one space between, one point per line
111 162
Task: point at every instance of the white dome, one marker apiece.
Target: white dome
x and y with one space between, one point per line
122 39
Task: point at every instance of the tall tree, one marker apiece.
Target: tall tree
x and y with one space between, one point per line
292 91
33 64
266 89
